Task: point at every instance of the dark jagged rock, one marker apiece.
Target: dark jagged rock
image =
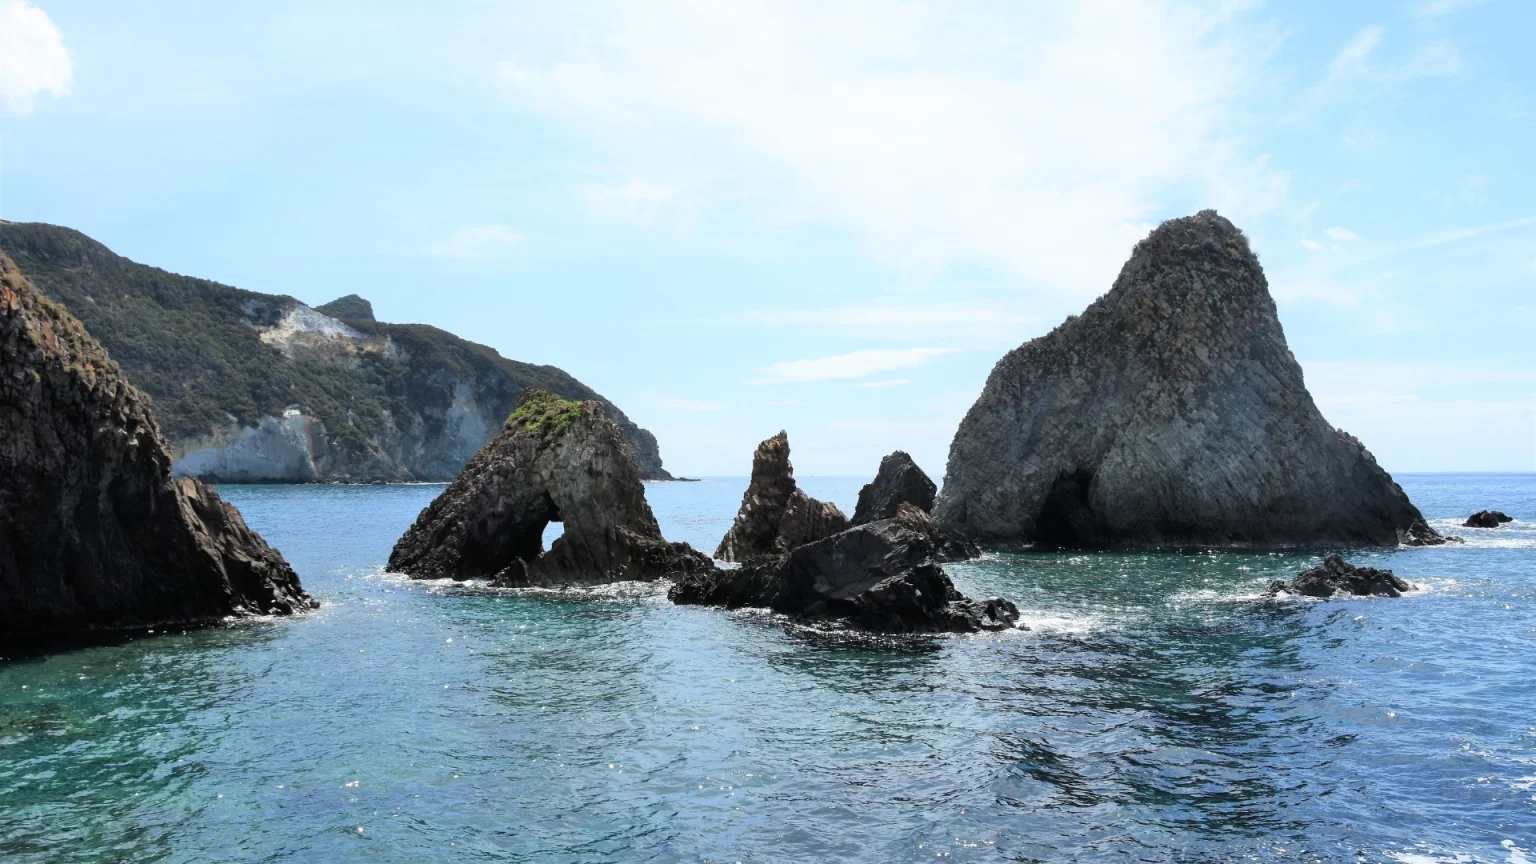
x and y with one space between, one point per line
351 307
95 532
252 387
881 576
1486 519
1170 413
555 461
899 479
776 516
1337 577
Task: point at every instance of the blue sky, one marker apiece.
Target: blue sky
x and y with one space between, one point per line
828 217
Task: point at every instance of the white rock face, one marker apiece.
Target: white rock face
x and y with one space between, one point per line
280 449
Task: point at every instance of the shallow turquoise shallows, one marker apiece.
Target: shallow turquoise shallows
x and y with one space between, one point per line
1156 710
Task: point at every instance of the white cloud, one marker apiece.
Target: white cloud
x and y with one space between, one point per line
636 200
1437 8
1311 244
942 320
33 58
1340 235
1353 74
1003 144
856 364
477 241
881 385
677 403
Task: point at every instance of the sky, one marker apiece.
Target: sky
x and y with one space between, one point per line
830 217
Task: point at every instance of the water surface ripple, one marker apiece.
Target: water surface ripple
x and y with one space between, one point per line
1157 710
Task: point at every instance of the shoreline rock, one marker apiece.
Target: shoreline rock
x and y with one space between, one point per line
555 461
96 534
898 480
1486 519
776 516
1170 413
882 576
1336 577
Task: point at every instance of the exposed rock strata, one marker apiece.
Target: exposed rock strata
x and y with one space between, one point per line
234 373
1170 413
776 516
898 480
95 532
1486 519
1336 577
555 461
882 576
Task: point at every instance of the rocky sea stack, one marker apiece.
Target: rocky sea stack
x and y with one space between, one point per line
898 481
1337 577
776 515
1170 413
95 532
555 461
1486 519
883 576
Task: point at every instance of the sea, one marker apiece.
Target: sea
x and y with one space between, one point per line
1157 708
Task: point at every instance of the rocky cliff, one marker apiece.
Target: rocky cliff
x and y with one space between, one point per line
260 387
776 516
556 461
95 532
1170 413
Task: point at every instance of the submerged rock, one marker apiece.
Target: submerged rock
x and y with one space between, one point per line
1486 519
898 480
882 576
1170 413
95 532
1335 576
555 461
776 516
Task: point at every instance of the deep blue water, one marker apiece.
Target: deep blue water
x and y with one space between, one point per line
1157 710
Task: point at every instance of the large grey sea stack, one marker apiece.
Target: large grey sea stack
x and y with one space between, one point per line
1170 413
555 461
776 516
95 532
898 480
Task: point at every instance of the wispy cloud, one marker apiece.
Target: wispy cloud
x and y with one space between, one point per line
477 241
636 200
856 364
677 403
1340 235
1354 74
1009 153
33 58
1437 8
1311 244
942 320
881 385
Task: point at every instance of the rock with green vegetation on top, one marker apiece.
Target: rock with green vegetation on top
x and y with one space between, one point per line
556 460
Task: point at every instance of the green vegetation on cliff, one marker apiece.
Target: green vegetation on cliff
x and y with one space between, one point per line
538 410
196 348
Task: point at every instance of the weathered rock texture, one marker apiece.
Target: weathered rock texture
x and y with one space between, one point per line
253 387
882 576
95 532
898 480
1170 413
776 515
1486 519
1336 577
555 461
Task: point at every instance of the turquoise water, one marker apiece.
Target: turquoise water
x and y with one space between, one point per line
1156 711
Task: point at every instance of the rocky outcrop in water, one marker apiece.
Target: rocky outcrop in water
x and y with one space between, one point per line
95 532
882 576
776 516
555 461
1486 519
898 480
253 387
1336 577
1170 413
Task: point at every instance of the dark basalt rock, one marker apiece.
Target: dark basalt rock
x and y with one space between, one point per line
1337 577
555 461
775 515
95 532
1486 519
881 576
1170 413
898 480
